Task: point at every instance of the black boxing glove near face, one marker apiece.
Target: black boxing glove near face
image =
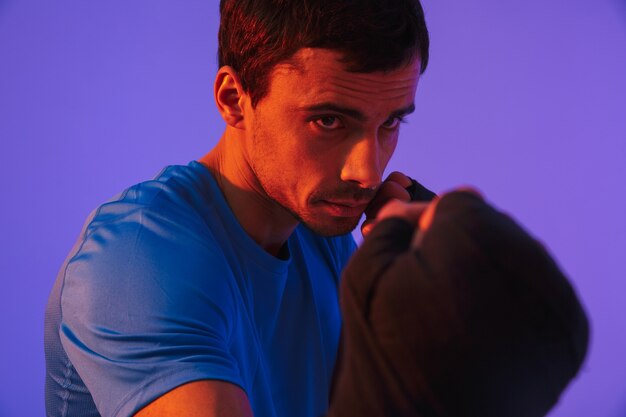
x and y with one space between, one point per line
477 321
417 192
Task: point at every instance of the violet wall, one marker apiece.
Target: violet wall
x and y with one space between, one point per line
525 100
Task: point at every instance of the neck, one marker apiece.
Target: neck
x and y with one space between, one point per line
265 221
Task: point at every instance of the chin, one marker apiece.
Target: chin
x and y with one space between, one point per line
336 226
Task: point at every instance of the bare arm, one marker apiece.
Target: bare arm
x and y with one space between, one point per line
200 399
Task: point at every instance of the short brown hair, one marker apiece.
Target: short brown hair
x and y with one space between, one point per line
372 35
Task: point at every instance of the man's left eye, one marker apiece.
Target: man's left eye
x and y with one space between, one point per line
392 123
329 122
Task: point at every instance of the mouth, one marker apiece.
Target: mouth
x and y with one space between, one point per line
345 208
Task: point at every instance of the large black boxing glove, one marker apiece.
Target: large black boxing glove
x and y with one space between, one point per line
477 321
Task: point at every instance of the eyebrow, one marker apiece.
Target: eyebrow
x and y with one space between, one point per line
354 113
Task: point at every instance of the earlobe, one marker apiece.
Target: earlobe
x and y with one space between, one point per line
229 97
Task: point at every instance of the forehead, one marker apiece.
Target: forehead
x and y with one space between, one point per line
314 74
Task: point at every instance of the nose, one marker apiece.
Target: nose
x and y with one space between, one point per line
363 163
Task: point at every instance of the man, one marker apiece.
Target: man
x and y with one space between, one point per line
212 289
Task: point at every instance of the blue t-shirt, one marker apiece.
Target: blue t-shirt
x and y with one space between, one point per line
164 287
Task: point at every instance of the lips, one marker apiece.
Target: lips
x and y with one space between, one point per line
345 208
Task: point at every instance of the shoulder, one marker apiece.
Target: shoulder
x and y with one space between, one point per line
174 208
176 190
150 249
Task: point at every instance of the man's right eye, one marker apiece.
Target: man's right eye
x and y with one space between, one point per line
328 122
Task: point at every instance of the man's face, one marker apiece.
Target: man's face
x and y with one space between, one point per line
322 137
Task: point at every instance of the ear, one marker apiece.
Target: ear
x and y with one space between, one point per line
230 97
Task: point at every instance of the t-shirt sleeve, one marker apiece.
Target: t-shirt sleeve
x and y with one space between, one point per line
147 306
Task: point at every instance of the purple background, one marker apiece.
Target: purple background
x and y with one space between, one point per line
526 100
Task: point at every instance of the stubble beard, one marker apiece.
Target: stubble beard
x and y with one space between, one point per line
333 226
336 226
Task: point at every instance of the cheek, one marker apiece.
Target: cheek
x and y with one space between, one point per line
306 161
313 154
388 146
